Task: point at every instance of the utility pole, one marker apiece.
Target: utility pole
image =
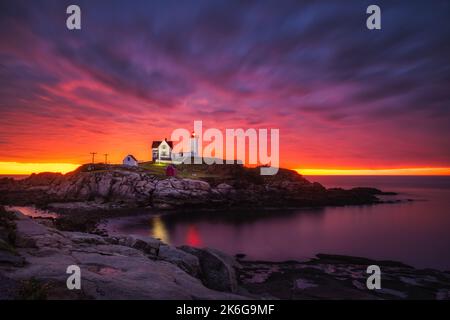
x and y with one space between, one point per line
93 156
106 158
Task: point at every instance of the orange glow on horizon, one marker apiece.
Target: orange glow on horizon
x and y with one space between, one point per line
29 168
11 168
376 172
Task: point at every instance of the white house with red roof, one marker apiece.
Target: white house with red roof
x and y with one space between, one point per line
162 151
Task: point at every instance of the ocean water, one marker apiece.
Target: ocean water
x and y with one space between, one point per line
416 233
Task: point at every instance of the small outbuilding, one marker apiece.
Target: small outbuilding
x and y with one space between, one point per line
171 171
130 161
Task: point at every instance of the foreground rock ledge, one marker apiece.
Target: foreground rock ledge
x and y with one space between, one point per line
111 267
34 258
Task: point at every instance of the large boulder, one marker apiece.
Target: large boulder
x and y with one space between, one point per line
173 192
218 269
145 244
185 261
224 188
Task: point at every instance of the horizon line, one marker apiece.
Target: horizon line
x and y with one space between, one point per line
27 168
418 171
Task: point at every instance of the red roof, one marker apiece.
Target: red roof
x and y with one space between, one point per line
131 156
156 144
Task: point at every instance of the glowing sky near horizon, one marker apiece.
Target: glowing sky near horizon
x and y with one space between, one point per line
343 97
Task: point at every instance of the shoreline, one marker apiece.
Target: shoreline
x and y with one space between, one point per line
110 222
124 214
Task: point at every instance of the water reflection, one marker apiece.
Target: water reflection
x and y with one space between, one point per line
193 236
158 229
33 212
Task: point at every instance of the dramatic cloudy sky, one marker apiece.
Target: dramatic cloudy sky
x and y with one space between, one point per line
341 95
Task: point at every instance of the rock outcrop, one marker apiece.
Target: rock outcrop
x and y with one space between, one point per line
184 260
111 267
217 269
119 186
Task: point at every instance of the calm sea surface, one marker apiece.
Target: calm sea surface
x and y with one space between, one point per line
416 233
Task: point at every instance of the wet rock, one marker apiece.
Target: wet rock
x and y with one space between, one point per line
186 261
145 244
218 269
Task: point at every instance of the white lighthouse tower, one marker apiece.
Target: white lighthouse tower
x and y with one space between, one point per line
194 145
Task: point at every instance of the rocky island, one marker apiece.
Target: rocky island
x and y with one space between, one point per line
196 186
